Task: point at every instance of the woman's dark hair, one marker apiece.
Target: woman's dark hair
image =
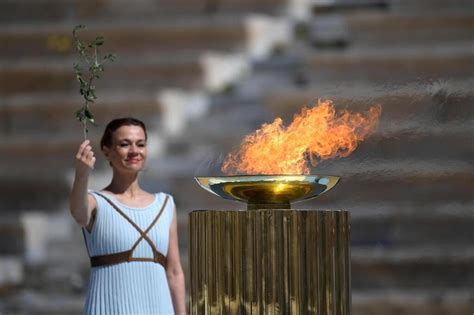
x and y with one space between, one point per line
115 124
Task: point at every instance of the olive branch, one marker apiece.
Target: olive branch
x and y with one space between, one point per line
89 57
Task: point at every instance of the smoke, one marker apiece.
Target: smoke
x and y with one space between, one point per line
210 164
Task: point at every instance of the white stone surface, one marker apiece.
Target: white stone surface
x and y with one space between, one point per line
36 228
40 229
179 107
11 270
264 33
156 143
301 9
221 70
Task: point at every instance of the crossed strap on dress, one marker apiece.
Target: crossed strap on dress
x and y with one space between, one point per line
126 256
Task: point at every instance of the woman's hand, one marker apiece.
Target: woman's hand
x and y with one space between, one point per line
81 204
85 159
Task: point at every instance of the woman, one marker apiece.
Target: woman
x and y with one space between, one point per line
130 234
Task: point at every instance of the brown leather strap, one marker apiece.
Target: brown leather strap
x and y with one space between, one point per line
144 234
126 256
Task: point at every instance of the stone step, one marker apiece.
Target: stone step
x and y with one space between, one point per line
375 28
449 301
122 37
11 235
324 7
412 268
32 190
420 183
65 10
416 65
28 10
419 226
392 65
410 28
418 145
41 302
431 6
439 102
39 76
46 146
51 112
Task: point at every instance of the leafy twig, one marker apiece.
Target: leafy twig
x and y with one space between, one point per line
89 55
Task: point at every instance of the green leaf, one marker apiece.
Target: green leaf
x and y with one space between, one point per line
81 48
81 80
76 28
89 117
110 57
80 115
90 97
98 41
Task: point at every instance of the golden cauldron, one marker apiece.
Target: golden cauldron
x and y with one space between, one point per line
268 191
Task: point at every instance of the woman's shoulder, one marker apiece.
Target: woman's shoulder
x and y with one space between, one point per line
95 194
162 196
92 193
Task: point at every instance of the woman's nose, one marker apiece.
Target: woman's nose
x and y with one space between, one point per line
134 149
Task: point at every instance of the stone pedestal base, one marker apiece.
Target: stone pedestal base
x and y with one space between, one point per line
269 262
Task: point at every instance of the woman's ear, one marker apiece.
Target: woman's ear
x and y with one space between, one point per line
106 152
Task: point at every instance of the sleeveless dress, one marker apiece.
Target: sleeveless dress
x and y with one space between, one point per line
135 287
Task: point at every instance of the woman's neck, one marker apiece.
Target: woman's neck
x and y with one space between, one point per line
124 184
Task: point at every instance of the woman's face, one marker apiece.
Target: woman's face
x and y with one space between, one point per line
128 150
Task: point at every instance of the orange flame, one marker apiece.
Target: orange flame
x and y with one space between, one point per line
317 133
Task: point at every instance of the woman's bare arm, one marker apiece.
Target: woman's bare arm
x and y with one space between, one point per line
81 204
174 271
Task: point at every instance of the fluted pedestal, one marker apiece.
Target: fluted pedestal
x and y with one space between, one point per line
269 262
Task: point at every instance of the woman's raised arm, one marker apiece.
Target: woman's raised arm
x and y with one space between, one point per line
81 204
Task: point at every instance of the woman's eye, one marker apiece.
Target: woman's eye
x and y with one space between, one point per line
124 144
142 145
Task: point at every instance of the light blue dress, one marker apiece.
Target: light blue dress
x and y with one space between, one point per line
136 287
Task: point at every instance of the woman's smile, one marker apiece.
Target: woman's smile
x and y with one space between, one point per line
133 160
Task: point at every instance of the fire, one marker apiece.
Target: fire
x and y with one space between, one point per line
316 134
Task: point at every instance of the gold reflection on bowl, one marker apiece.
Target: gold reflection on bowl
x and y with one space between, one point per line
268 191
